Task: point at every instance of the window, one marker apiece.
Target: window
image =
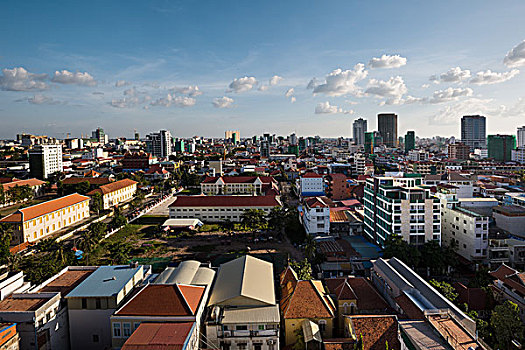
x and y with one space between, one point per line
116 330
84 303
261 327
126 329
97 303
241 328
135 326
322 326
95 338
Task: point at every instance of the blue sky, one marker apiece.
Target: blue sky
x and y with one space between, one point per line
201 67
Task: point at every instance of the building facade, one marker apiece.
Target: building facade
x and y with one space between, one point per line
316 215
400 206
521 137
45 160
116 192
311 184
410 141
387 127
473 131
501 147
359 128
459 151
159 144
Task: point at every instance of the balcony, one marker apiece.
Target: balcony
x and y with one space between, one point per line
247 333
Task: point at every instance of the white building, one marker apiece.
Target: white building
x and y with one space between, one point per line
315 215
116 192
465 228
236 185
416 155
219 208
159 144
521 137
518 155
311 185
45 160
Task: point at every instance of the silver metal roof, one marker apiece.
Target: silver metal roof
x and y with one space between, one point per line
262 314
106 281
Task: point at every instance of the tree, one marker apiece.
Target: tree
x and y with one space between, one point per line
445 289
227 225
97 203
303 269
6 231
433 257
299 339
98 230
253 219
47 245
310 246
2 195
277 219
506 324
395 246
119 252
118 219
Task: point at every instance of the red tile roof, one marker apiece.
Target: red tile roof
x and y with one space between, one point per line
92 180
29 182
112 187
239 179
225 201
44 208
164 300
311 175
376 331
307 300
159 336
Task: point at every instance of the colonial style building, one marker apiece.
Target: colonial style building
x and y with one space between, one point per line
252 185
41 220
116 192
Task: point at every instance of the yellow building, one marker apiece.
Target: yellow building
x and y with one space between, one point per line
116 192
41 220
305 301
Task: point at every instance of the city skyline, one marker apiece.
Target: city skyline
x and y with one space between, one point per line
200 69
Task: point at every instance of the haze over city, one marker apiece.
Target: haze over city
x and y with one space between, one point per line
282 66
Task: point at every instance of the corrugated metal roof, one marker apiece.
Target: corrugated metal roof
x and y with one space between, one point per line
263 314
106 281
159 336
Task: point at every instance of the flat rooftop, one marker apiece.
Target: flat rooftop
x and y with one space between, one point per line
457 337
106 281
21 304
66 282
422 334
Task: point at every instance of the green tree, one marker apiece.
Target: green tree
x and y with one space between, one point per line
395 246
445 289
2 195
433 257
227 225
97 203
119 252
303 269
506 324
98 230
47 245
6 231
277 220
310 247
253 219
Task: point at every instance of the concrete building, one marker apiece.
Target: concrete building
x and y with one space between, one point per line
511 219
310 185
232 136
219 208
464 228
116 192
36 186
518 155
238 185
418 155
515 198
315 215
401 206
159 144
473 131
501 146
464 183
100 136
93 301
459 151
243 313
410 141
359 128
41 220
387 127
45 160
521 137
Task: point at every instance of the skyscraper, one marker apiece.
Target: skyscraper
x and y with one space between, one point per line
410 141
359 130
45 160
232 136
387 127
159 143
100 136
521 137
473 131
501 146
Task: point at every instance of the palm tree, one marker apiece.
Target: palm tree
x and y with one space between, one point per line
14 261
309 247
6 232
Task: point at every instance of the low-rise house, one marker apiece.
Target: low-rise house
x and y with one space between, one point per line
180 336
36 186
219 208
509 284
93 301
316 215
243 313
116 192
308 303
157 173
41 220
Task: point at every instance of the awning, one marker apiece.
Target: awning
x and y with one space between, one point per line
311 331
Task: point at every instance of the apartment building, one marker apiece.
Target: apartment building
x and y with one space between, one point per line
310 185
45 160
236 185
92 302
315 215
400 206
116 192
466 229
219 208
243 311
41 220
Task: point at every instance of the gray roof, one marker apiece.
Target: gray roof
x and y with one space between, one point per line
106 281
188 272
247 279
263 314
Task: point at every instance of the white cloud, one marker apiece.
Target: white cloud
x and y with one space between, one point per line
312 84
19 79
120 83
178 101
490 77
387 61
275 80
425 86
39 99
452 114
327 108
516 56
242 84
130 92
263 87
132 100
449 94
222 102
78 78
453 75
190 90
290 92
392 89
340 82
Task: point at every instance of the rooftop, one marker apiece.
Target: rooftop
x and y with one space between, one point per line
66 282
106 281
159 336
21 304
225 201
113 186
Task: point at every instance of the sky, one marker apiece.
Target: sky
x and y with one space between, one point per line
309 67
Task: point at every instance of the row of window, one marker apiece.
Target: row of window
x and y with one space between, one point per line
124 330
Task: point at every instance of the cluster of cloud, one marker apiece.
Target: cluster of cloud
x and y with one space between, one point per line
190 90
173 100
516 56
327 108
19 79
290 93
392 89
340 82
39 99
78 78
242 84
458 75
275 80
132 98
222 102
453 75
387 61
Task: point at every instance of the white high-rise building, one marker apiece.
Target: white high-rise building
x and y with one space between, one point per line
45 160
359 130
521 137
159 143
